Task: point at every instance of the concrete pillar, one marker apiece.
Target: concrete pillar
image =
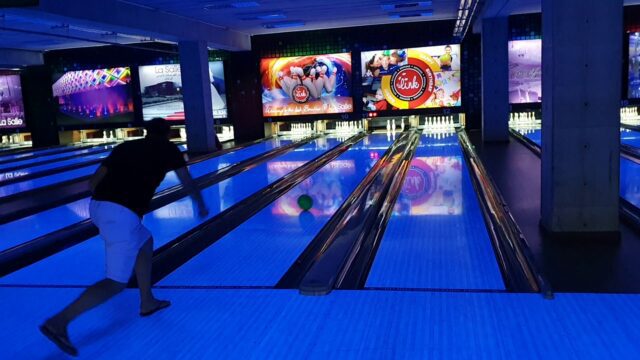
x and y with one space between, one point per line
495 79
581 72
196 90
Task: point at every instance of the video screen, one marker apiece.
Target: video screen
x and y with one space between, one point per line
417 78
525 71
98 96
433 186
306 85
161 88
11 106
633 91
324 187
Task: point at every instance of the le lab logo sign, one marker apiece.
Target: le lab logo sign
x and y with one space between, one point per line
300 94
410 83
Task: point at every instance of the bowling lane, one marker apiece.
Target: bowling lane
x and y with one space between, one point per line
629 169
28 185
83 152
16 157
436 238
84 263
261 250
78 160
630 138
62 216
627 137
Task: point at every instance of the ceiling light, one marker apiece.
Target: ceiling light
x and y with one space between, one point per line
283 24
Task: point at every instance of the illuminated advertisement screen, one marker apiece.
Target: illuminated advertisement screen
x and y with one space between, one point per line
525 71
306 85
324 188
11 106
161 88
433 186
633 91
417 78
94 96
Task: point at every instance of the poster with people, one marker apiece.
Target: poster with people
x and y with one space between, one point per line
306 85
525 71
415 78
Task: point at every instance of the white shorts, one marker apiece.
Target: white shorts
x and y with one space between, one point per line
123 235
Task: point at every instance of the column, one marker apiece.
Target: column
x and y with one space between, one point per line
495 79
581 72
196 90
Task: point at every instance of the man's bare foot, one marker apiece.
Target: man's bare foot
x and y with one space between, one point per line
153 307
58 335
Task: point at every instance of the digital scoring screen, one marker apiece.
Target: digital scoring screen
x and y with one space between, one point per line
415 78
306 85
525 71
11 105
161 91
433 186
96 96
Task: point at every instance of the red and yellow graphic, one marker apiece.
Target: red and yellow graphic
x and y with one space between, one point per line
414 78
306 85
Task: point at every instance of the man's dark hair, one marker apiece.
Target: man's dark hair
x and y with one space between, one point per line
157 127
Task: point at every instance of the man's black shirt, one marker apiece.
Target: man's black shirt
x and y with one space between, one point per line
134 171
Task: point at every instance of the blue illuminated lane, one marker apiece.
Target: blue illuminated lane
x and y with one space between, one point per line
15 157
629 169
261 250
83 152
630 138
436 238
5 176
42 223
28 185
83 264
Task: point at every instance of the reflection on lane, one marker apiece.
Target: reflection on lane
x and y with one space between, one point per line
84 263
433 186
436 238
261 250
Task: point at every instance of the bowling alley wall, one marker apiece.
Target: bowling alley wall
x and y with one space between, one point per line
242 69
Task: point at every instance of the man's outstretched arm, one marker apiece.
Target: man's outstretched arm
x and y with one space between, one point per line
193 190
97 178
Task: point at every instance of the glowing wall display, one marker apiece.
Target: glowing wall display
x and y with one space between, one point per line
633 91
161 88
525 71
433 186
401 79
94 96
11 106
306 85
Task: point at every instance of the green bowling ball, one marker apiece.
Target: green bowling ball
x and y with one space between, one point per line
305 202
445 59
